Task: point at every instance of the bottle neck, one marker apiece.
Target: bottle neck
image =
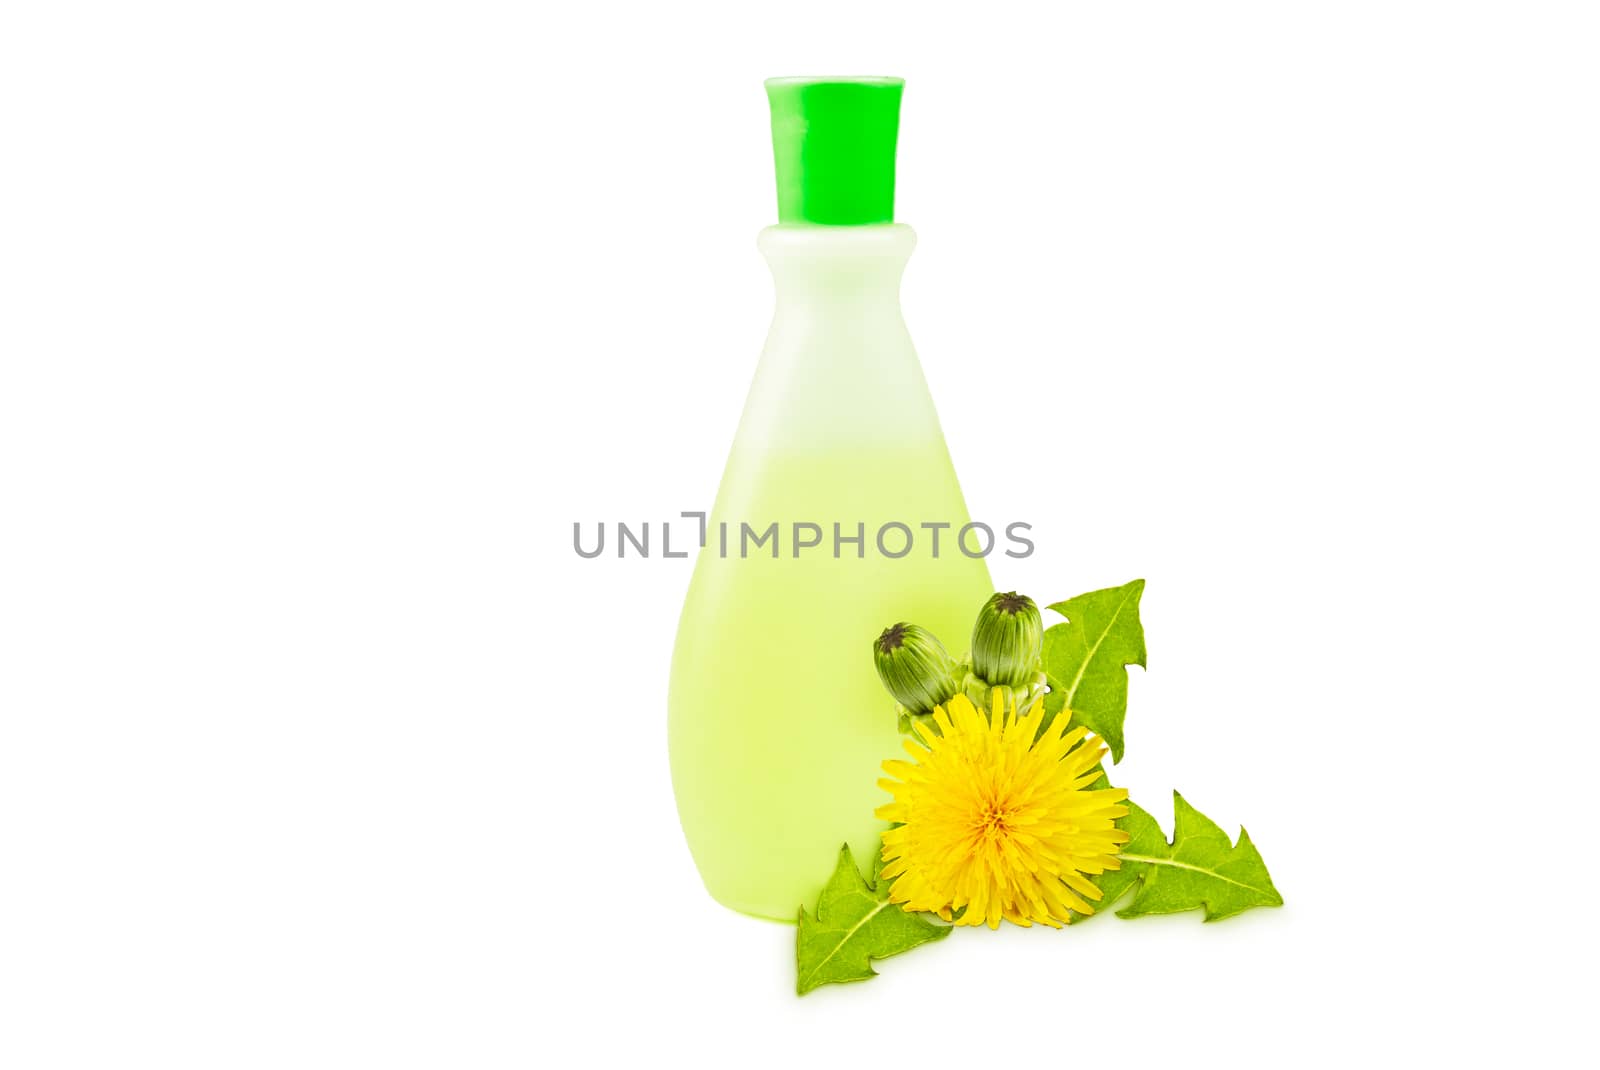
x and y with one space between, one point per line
838 369
858 268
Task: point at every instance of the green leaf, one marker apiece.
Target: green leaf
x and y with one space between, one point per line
855 923
1200 869
1086 659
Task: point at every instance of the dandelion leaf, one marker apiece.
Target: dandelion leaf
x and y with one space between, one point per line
1086 659
854 924
1199 869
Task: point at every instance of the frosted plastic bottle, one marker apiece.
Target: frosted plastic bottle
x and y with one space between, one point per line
777 721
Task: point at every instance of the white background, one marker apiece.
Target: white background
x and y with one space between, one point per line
320 324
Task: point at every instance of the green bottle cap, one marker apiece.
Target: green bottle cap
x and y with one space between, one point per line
833 141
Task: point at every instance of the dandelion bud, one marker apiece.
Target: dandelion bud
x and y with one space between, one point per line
1007 640
915 667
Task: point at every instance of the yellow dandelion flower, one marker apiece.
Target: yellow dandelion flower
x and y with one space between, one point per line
996 824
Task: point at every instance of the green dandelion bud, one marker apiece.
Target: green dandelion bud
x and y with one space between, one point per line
1008 640
915 667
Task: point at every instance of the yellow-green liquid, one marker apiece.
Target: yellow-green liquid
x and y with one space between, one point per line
777 722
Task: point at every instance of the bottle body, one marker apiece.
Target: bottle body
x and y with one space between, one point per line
837 516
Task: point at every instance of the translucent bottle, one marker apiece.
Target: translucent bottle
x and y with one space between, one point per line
777 722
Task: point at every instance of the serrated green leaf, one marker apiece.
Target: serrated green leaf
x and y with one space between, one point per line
1199 869
854 924
1086 659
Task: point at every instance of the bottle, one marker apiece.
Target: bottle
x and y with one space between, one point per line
777 724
